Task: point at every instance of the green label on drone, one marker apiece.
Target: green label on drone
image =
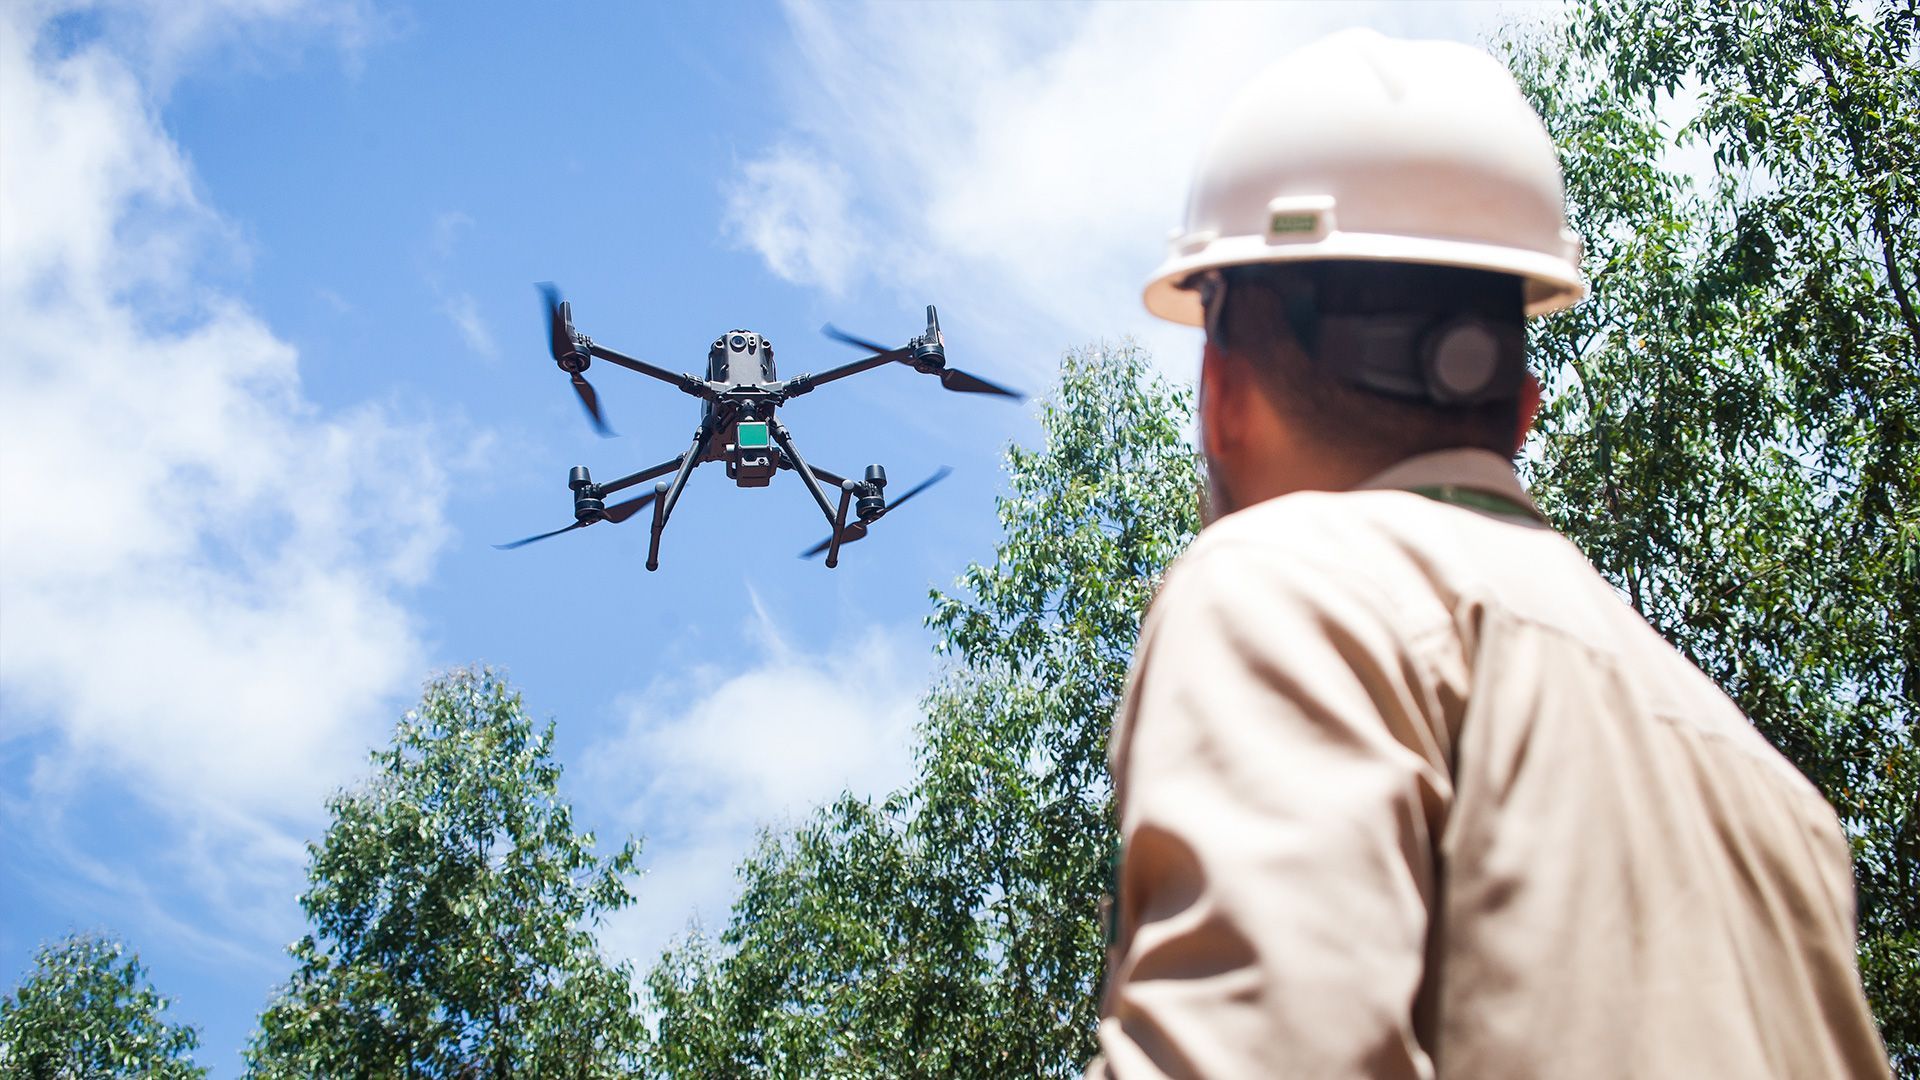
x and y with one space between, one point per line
1294 223
751 436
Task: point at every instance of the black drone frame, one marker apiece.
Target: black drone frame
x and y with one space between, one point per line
734 398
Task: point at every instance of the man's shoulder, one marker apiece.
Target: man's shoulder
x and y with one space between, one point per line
1411 564
1341 552
1378 539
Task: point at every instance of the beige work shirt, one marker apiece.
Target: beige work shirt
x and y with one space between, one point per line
1406 790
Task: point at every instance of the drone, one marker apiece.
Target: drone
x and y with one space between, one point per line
738 427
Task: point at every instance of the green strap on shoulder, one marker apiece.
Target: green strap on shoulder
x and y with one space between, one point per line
1475 500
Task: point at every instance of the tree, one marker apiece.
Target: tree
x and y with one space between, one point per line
1730 432
87 1010
951 929
452 904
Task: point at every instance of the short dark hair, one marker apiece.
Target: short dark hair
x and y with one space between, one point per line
1266 322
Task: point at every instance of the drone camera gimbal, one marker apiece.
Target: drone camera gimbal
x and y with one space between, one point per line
750 456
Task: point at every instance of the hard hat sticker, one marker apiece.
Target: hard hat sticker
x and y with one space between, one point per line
1293 218
1284 224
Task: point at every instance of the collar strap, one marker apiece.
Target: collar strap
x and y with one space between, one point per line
1475 499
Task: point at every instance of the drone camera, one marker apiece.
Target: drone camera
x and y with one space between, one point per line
750 461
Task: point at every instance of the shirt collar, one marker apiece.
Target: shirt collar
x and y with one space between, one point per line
1479 471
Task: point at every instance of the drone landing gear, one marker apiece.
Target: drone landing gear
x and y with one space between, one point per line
659 523
790 458
847 488
666 495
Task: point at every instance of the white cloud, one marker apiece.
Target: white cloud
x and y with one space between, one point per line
1026 160
448 228
791 207
159 41
202 575
460 308
701 773
464 311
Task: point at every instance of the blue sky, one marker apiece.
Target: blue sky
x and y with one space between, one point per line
274 379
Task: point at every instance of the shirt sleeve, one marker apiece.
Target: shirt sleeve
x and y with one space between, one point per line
1282 781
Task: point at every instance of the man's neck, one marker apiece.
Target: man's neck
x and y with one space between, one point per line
1288 469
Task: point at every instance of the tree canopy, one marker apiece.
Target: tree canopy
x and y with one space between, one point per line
1730 430
949 929
87 1010
453 906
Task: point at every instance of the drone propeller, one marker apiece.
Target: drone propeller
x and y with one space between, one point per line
592 402
621 511
616 513
955 379
856 530
930 350
542 536
842 336
568 354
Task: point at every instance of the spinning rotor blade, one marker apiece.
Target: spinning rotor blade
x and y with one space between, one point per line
955 379
620 512
591 401
542 536
616 513
559 320
854 531
840 335
561 344
940 474
951 378
857 530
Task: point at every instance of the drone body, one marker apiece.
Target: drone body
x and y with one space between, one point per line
738 427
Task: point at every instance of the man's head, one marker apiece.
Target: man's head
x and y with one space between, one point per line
1367 228
1319 375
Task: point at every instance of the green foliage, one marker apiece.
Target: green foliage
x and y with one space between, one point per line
951 930
1730 432
452 902
87 1010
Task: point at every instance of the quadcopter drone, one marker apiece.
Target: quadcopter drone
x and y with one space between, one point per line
737 426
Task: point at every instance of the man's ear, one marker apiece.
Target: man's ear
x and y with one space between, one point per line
1529 408
1220 401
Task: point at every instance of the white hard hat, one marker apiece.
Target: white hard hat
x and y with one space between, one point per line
1362 147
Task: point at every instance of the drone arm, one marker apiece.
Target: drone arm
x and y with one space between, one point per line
687 383
804 383
642 476
813 485
825 477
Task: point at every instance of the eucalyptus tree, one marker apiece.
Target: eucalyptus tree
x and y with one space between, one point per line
1730 431
951 928
87 1010
453 906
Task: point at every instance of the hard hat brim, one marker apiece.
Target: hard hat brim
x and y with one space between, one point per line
1552 284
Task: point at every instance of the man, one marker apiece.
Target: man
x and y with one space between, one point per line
1405 789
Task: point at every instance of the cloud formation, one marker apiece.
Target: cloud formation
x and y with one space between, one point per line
1027 160
791 207
203 577
763 745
